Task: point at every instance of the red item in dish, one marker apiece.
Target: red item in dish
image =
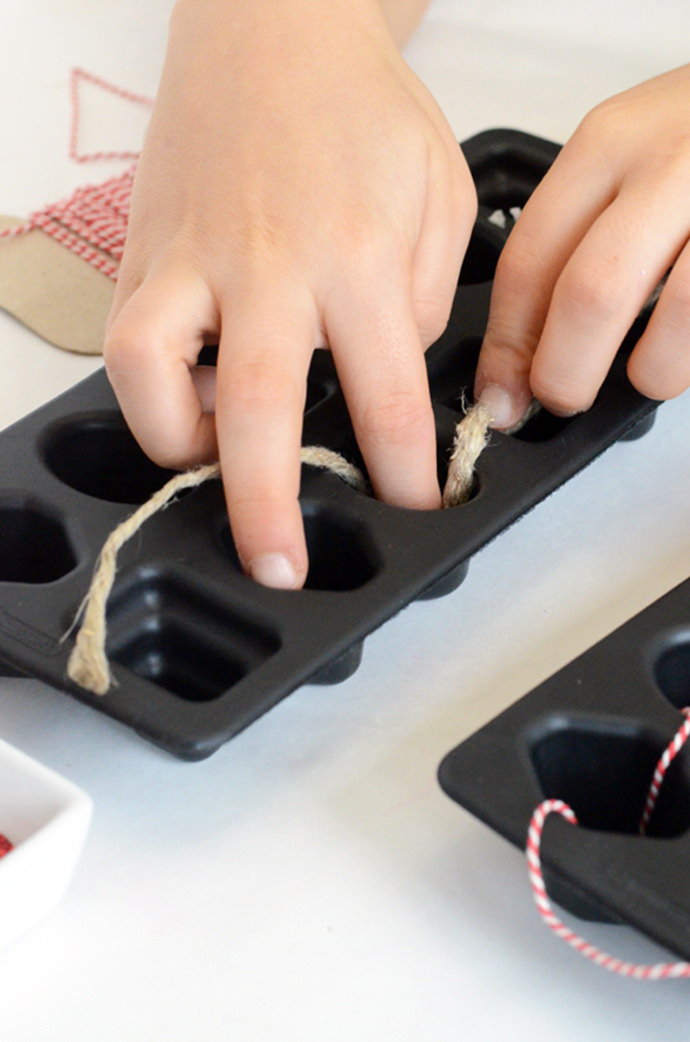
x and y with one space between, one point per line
5 845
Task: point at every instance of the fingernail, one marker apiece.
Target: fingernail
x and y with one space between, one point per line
504 411
273 570
567 414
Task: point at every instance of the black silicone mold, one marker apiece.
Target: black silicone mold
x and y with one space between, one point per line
591 735
198 650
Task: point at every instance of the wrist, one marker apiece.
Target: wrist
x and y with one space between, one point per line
269 34
278 12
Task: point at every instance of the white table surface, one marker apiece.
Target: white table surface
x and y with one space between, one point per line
310 880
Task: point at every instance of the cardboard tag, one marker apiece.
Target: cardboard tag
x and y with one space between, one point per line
53 291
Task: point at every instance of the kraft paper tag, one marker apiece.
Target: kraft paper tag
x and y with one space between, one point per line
53 291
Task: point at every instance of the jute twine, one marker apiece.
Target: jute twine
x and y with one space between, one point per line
88 664
471 435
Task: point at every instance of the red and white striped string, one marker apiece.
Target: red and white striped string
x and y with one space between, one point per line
649 972
92 222
78 76
678 741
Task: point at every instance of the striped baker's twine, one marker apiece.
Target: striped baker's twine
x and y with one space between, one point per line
92 222
668 756
648 972
78 76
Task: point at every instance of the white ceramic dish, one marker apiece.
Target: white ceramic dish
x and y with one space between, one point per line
46 818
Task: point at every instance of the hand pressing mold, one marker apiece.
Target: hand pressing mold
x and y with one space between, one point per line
179 599
608 221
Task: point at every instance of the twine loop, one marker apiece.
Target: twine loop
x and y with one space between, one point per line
88 663
638 971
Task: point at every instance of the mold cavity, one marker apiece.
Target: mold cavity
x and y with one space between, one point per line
34 546
208 355
672 672
317 392
97 455
507 178
342 555
453 374
605 774
480 260
165 631
543 426
322 379
446 421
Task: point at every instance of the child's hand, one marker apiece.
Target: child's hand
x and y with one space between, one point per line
298 187
608 220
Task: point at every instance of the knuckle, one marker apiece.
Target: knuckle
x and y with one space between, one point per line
260 243
560 392
249 509
173 456
594 291
677 158
120 349
171 448
464 201
652 383
590 125
173 443
674 304
606 122
431 316
398 417
520 265
357 236
661 175
370 246
131 337
507 349
677 303
257 385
